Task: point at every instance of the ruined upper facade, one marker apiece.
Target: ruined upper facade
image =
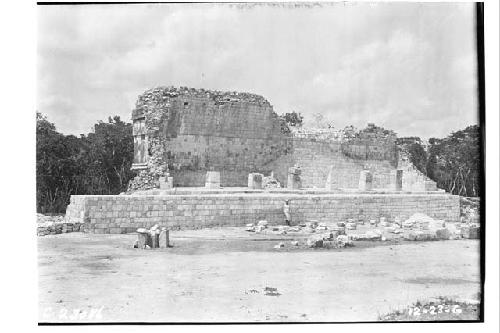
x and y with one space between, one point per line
191 131
187 132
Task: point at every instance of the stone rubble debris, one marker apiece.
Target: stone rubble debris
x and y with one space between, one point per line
351 226
53 225
262 223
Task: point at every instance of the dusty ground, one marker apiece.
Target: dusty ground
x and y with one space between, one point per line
230 275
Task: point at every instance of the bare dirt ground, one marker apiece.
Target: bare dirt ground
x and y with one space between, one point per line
227 275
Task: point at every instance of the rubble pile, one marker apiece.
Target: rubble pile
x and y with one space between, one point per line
53 225
323 236
469 210
422 227
161 95
418 227
270 182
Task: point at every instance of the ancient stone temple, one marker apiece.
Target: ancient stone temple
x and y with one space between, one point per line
206 158
186 132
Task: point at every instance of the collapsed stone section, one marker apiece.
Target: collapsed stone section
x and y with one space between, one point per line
191 131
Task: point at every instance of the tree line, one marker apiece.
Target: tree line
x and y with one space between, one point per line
453 162
99 162
96 163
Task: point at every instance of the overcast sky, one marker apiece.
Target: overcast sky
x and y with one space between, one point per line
406 67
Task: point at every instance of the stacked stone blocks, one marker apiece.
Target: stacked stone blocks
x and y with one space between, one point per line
124 214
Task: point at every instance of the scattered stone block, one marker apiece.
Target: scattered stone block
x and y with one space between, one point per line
343 241
311 224
259 229
164 239
315 242
262 223
155 240
390 229
166 183
419 235
329 244
339 230
443 234
470 232
327 236
351 226
143 238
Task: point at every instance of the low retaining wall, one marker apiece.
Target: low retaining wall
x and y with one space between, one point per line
126 213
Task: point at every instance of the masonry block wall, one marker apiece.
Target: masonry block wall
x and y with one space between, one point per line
315 158
194 131
125 213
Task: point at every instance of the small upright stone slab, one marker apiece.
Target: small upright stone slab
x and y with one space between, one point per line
166 182
294 182
154 240
332 180
365 181
255 181
143 238
164 239
212 179
397 180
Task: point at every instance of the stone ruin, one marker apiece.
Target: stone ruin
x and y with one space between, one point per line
209 158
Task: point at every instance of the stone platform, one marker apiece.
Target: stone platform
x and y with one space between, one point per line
194 208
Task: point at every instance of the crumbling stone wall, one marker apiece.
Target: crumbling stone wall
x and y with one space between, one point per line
191 131
372 143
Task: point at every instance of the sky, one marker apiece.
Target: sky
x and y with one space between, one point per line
409 67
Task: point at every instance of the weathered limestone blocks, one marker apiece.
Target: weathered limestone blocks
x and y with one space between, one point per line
294 181
164 238
332 182
396 180
255 181
212 179
365 180
124 214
